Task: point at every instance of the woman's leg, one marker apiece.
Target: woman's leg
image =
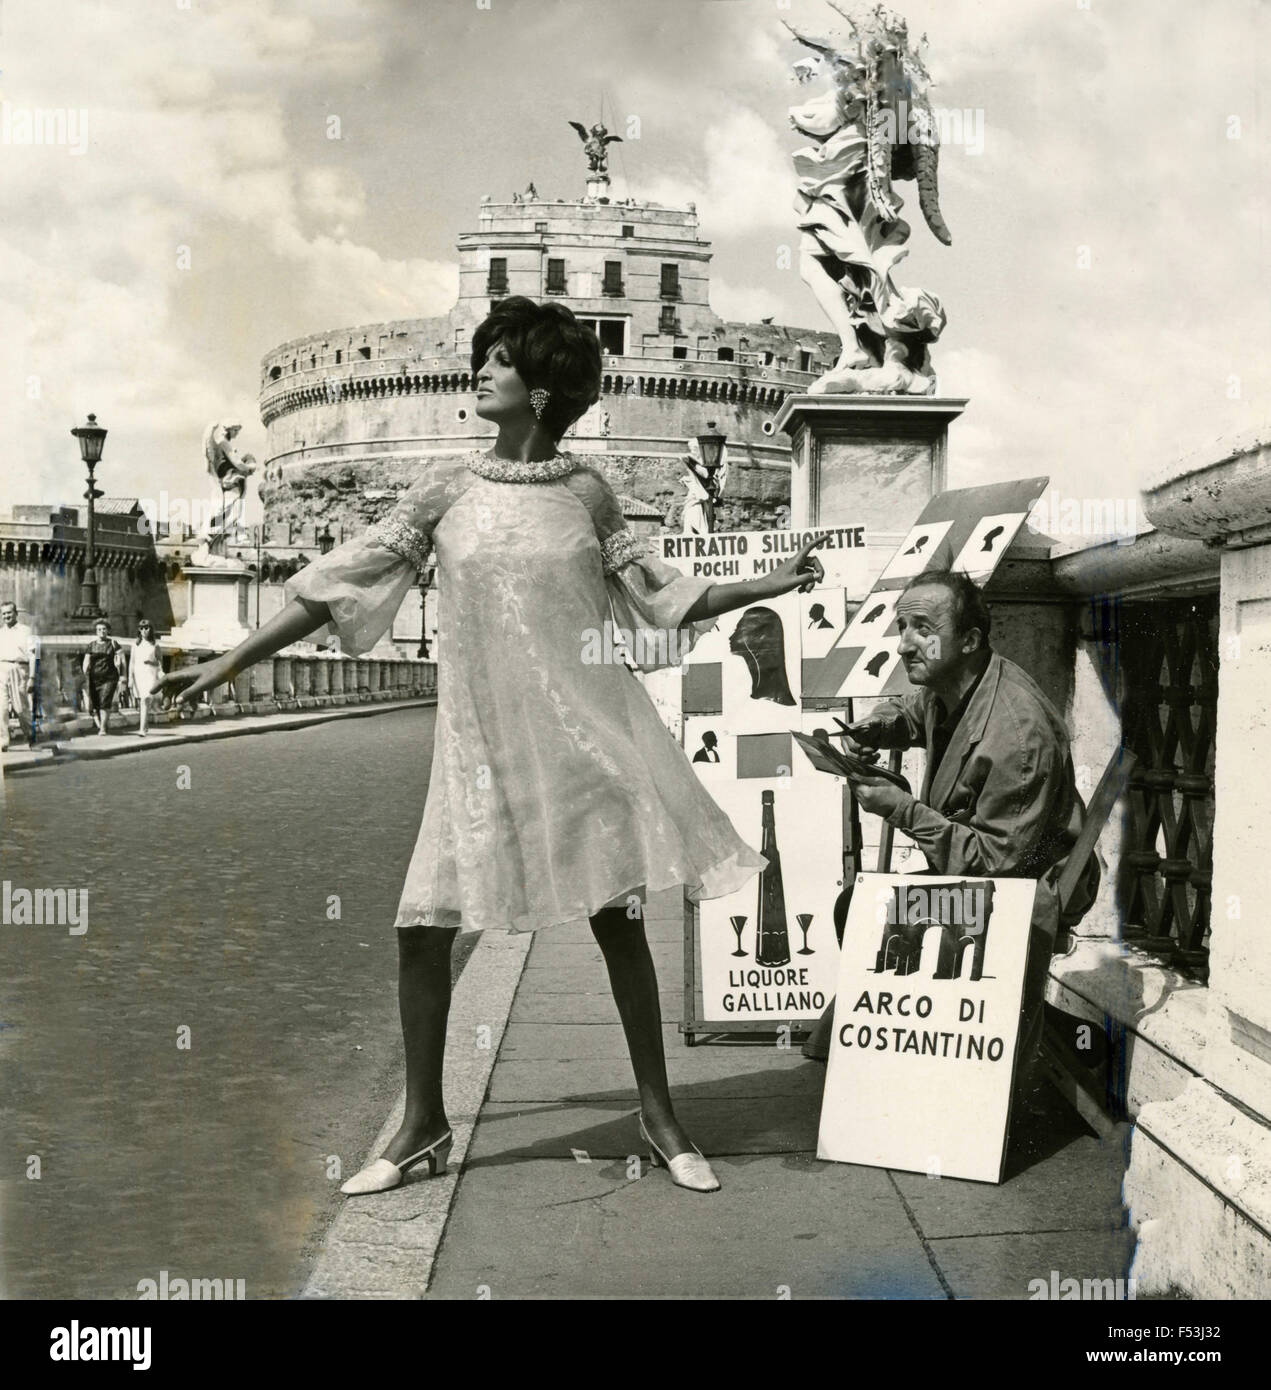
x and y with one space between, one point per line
143 712
635 991
423 993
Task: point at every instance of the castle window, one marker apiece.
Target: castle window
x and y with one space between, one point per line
555 276
767 359
275 373
679 351
364 353
613 278
498 281
627 230
540 226
339 356
805 361
668 323
725 354
670 281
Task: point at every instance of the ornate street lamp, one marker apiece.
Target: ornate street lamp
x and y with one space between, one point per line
711 445
91 437
325 540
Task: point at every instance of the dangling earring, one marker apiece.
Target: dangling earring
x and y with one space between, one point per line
539 399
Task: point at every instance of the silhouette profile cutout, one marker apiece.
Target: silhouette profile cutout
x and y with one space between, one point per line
990 537
817 618
708 752
759 639
916 548
874 612
876 663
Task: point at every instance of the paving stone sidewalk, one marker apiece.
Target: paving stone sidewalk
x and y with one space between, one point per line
555 1199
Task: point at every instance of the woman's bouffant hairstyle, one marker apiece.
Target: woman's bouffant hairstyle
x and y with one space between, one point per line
549 348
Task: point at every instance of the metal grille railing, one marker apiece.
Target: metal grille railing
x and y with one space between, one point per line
1169 658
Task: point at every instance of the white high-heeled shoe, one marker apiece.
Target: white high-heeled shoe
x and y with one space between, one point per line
384 1174
686 1170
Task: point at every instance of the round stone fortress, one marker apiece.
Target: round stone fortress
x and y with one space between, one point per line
354 414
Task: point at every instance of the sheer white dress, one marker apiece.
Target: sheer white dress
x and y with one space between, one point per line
555 788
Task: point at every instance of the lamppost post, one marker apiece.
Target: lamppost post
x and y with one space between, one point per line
711 445
91 438
426 576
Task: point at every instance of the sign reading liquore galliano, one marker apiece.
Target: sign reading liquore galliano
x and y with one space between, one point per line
926 1022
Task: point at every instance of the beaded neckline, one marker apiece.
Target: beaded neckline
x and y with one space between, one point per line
502 470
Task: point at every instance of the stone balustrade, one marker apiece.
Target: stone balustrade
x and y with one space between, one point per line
291 681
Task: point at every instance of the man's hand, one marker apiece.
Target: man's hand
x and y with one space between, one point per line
878 797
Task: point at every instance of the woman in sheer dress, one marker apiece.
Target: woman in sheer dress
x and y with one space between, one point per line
556 791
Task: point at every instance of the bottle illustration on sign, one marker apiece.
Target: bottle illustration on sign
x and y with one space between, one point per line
772 942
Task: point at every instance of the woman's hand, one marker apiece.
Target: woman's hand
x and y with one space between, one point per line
188 685
802 571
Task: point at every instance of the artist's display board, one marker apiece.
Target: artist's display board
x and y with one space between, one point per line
768 953
968 530
926 1024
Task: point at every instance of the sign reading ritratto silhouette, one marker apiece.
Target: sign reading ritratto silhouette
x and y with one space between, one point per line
926 1024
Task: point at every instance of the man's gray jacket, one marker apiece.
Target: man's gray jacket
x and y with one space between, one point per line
1003 801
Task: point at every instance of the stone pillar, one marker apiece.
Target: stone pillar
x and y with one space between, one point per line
1197 1183
218 609
322 680
284 690
338 666
261 689
874 460
302 675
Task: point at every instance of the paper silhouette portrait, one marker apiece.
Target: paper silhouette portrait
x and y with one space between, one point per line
759 639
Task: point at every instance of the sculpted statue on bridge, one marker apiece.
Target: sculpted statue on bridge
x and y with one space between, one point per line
872 127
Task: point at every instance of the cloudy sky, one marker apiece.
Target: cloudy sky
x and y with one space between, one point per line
1107 286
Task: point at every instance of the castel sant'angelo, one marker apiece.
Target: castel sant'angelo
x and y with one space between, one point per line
353 414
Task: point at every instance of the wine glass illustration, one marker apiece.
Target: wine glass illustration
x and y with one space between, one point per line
804 920
739 924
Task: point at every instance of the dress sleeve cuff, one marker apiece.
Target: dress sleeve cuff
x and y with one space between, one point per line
649 600
620 549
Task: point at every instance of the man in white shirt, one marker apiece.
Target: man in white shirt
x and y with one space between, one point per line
19 652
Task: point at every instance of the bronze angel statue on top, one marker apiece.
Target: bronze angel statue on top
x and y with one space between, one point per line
872 127
596 146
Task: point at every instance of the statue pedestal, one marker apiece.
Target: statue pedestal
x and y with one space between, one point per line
218 609
875 460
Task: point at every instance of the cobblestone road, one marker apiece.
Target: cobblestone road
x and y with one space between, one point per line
207 911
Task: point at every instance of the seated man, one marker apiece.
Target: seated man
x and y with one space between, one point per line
999 797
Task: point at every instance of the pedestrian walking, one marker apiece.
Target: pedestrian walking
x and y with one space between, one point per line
556 791
144 670
19 655
103 665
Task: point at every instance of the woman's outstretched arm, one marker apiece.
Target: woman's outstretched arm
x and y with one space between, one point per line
299 618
